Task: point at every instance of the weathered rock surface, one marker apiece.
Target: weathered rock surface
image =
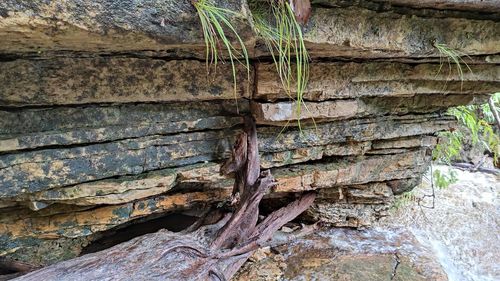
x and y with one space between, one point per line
38 170
360 32
344 80
357 29
108 117
346 255
283 112
40 127
341 174
469 5
475 9
451 227
105 80
107 26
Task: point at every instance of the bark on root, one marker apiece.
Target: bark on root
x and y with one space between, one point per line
210 252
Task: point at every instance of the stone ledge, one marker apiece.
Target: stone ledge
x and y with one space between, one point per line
61 126
173 30
283 112
40 170
59 222
360 33
63 81
33 171
348 80
468 5
295 178
104 26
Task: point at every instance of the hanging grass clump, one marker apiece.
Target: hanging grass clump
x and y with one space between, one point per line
277 25
214 23
453 57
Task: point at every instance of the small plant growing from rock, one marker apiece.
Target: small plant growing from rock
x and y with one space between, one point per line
278 26
277 23
472 121
214 23
404 200
453 57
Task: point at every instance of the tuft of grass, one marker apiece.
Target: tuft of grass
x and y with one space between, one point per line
404 200
214 23
277 26
453 57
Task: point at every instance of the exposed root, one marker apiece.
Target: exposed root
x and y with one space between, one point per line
210 252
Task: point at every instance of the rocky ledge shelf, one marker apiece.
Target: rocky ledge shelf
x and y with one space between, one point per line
108 118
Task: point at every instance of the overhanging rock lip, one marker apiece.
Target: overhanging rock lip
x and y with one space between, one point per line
173 28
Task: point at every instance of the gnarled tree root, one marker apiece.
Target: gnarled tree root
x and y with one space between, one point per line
211 252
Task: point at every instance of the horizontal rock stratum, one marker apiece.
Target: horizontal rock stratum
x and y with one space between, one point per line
109 116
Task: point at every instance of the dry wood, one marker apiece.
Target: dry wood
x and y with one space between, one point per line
472 168
211 252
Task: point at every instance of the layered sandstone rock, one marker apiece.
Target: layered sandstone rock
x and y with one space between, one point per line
108 117
108 26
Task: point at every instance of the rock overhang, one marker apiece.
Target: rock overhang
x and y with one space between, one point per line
108 116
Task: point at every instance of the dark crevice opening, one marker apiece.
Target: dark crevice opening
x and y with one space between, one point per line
10 269
173 222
